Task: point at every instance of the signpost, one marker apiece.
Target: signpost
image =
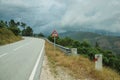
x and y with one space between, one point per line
54 34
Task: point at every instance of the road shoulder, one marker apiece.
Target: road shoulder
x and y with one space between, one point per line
48 74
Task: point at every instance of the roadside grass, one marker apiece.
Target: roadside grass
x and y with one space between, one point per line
6 36
78 66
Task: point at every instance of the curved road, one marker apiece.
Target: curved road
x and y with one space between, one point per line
22 60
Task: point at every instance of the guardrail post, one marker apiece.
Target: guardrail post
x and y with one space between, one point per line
74 51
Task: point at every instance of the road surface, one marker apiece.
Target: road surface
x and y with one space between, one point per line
22 60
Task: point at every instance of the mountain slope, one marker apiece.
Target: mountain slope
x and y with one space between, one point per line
105 42
77 66
7 36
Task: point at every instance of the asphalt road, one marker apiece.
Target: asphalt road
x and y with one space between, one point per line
22 60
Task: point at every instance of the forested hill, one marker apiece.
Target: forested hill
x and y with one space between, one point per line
11 32
85 48
107 42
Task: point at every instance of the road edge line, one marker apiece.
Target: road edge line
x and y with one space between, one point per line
36 65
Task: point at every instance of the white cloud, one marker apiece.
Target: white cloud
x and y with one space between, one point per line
19 3
92 12
95 14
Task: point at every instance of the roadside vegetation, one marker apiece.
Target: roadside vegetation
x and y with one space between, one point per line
7 36
78 66
108 42
12 31
39 35
87 50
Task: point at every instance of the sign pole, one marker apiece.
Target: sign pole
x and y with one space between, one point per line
54 35
54 44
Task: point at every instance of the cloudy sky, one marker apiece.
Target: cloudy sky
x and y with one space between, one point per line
63 15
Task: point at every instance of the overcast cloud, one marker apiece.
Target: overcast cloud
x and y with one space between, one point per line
45 15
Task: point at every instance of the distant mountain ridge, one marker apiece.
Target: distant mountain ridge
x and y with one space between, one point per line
105 42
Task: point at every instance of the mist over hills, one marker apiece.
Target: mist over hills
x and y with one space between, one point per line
106 40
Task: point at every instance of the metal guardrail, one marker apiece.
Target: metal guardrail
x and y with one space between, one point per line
64 49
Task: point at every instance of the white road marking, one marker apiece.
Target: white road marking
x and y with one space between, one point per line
21 46
36 65
18 48
15 49
3 55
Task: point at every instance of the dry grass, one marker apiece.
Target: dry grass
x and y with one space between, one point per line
78 66
6 36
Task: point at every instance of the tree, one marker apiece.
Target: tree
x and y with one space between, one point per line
76 44
23 25
96 45
15 30
85 44
41 35
2 24
13 26
51 38
18 23
105 61
27 32
67 41
12 23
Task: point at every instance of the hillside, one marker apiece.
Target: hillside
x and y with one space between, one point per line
80 35
105 42
79 67
7 36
